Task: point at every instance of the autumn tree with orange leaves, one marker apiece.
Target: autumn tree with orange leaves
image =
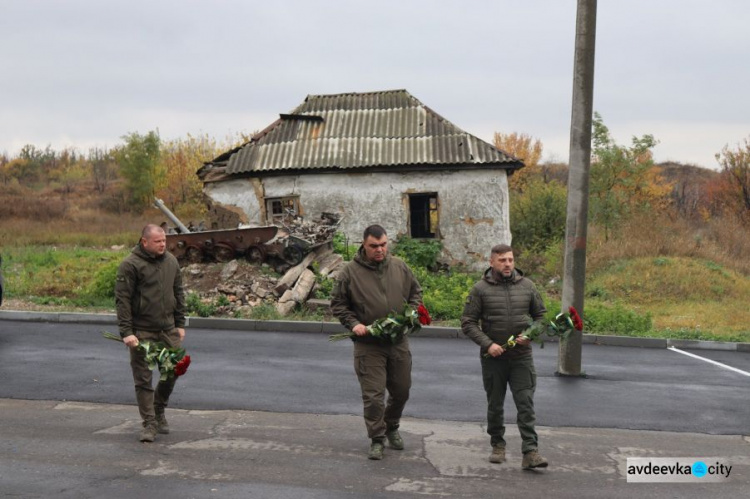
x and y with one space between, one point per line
180 159
527 149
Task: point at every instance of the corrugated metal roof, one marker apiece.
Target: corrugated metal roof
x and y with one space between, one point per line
360 130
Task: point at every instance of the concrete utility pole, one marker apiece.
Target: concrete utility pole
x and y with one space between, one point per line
574 278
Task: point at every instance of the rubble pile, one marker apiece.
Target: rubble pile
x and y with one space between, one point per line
238 286
234 287
313 231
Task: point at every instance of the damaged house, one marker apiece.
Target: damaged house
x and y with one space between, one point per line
376 157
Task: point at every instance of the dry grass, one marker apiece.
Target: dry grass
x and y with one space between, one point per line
722 319
689 277
725 242
32 218
665 279
43 209
680 293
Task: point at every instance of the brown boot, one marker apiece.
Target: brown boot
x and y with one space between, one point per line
148 433
498 454
532 459
161 424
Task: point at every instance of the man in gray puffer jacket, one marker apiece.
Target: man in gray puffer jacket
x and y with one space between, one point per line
498 307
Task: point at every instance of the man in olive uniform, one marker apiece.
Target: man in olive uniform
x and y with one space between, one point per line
150 307
370 287
502 302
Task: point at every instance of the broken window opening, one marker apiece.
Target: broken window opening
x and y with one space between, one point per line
281 210
423 215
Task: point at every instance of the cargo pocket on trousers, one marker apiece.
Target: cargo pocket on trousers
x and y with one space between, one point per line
360 365
532 379
526 380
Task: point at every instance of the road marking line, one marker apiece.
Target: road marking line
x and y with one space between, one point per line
709 361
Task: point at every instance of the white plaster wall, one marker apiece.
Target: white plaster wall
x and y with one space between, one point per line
239 193
473 214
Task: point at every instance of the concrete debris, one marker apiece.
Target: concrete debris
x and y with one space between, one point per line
245 285
250 286
292 275
229 270
330 263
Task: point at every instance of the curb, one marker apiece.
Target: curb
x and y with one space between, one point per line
334 328
65 317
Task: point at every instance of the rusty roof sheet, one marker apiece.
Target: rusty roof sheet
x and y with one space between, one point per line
360 130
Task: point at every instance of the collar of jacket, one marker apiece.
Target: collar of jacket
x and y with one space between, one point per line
142 253
489 276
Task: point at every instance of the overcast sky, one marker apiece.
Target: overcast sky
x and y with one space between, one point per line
84 73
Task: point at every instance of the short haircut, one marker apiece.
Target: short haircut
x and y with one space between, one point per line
150 229
375 231
500 249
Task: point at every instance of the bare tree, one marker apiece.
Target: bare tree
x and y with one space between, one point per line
103 168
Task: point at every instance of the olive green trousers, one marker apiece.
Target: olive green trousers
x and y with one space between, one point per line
519 373
380 368
150 401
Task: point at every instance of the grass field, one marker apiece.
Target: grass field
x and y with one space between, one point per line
684 298
657 276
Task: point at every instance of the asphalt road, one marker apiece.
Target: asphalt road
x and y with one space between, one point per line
626 388
279 415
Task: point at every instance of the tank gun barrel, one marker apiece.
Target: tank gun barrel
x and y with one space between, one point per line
176 221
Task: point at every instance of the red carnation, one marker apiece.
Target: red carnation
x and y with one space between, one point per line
577 322
424 315
182 366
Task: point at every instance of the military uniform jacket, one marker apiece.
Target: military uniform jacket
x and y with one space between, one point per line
366 291
495 310
148 293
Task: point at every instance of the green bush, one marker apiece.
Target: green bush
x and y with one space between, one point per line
444 293
604 319
264 312
418 252
537 215
195 306
324 287
554 258
103 283
342 247
616 320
